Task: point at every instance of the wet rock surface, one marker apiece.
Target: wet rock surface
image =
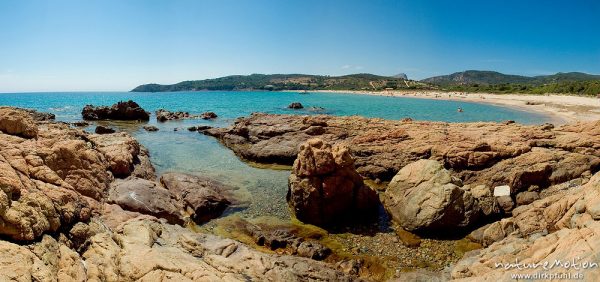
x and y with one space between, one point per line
129 110
100 129
324 187
206 197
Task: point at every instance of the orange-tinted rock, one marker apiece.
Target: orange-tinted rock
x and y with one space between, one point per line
324 188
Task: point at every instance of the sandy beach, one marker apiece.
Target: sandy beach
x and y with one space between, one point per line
562 108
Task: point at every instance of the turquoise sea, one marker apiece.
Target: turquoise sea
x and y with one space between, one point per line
264 189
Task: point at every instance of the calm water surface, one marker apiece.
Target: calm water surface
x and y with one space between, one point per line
191 152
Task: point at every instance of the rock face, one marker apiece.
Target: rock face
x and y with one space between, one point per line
491 154
204 196
425 196
129 110
563 227
324 187
17 122
54 180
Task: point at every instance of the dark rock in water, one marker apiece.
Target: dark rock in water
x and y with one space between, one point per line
150 128
295 105
192 128
80 124
208 115
163 115
104 130
324 188
204 196
147 197
129 110
201 128
40 116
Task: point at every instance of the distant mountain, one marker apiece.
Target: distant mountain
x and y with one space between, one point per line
400 75
566 76
476 77
493 78
362 81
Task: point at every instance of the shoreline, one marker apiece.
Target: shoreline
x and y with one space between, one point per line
560 108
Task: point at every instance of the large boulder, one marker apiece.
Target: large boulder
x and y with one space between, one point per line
205 197
425 196
146 197
17 122
324 187
129 110
125 155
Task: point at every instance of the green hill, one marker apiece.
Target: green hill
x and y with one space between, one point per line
494 82
361 81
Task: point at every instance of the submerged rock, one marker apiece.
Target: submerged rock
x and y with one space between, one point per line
129 110
146 197
205 197
325 189
80 124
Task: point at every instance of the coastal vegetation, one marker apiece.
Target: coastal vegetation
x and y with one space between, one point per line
277 82
468 81
494 82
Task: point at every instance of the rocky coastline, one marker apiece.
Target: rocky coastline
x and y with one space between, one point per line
439 178
78 206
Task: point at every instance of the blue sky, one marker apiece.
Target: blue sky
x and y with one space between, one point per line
117 45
